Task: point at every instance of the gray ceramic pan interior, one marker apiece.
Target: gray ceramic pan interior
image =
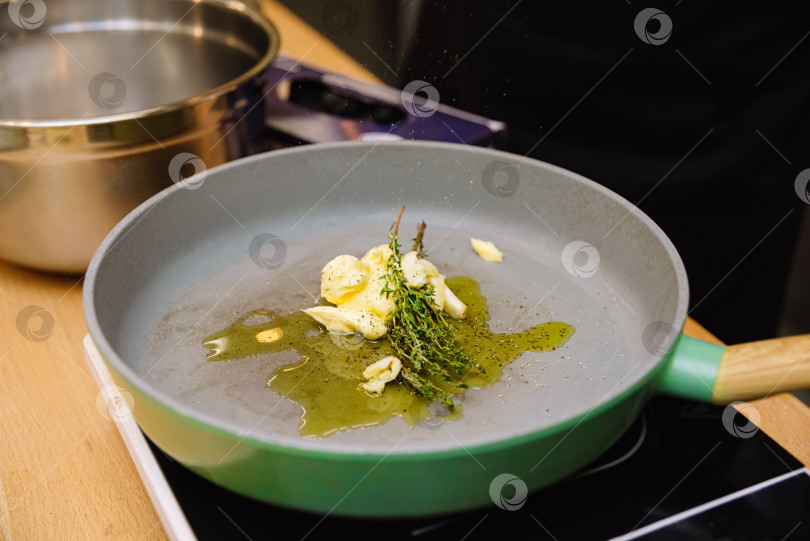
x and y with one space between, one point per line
186 264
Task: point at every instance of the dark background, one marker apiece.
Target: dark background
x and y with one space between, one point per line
705 132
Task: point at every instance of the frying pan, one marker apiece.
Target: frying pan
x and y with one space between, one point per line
255 233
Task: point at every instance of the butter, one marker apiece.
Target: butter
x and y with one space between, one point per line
486 250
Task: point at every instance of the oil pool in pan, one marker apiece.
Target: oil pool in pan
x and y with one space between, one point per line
325 379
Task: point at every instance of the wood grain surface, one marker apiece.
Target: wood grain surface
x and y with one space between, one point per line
64 470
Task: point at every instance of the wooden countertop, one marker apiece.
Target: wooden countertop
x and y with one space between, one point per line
64 470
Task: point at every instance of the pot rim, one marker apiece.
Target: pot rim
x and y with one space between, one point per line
262 22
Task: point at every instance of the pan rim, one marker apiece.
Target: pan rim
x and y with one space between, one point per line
320 446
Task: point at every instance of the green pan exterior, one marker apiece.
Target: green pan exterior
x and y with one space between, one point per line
393 485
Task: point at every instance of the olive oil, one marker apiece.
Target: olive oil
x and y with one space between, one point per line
325 379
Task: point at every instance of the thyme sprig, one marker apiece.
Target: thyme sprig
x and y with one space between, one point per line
420 333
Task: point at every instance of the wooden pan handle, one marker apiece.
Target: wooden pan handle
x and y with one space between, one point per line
760 369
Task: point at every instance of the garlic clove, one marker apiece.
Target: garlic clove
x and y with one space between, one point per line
343 320
381 372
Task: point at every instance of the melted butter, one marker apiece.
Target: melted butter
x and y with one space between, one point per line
325 379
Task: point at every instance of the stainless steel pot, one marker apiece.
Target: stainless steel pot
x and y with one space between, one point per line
103 105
